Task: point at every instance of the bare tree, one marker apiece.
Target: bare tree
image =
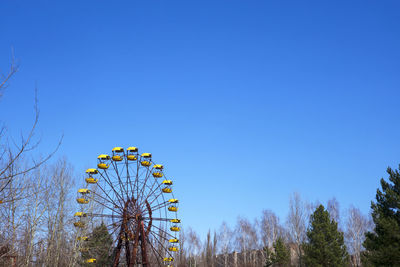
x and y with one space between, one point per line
61 174
26 221
246 238
270 228
208 257
333 208
4 78
181 261
225 241
356 226
37 203
12 213
297 223
193 246
10 150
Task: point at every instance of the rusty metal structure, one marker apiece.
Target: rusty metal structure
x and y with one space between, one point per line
131 196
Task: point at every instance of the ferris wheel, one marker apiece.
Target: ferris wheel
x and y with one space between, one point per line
134 199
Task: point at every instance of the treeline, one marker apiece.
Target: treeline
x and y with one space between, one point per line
254 242
311 235
36 227
36 216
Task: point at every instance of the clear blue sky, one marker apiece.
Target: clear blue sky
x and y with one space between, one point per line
244 102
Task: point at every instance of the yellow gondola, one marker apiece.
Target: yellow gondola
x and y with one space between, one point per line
167 190
131 157
103 157
91 180
80 214
132 153
103 166
92 171
147 159
167 182
175 220
158 171
173 200
83 238
117 158
91 260
168 259
173 240
157 174
79 224
173 248
132 149
84 191
175 229
82 201
118 149
145 163
158 167
173 208
118 153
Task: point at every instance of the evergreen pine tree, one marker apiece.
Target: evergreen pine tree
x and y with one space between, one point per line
383 245
99 245
279 256
325 247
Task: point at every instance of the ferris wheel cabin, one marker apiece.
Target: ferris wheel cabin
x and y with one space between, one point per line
103 160
132 153
145 159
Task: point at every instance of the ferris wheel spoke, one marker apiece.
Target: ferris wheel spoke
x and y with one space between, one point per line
159 194
139 173
108 181
110 199
153 193
144 185
128 177
158 219
115 228
161 243
122 189
115 224
155 252
156 197
102 204
143 204
158 206
165 232
137 177
103 215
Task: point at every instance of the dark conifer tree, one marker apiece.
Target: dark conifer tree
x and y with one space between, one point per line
99 245
279 256
325 246
383 244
